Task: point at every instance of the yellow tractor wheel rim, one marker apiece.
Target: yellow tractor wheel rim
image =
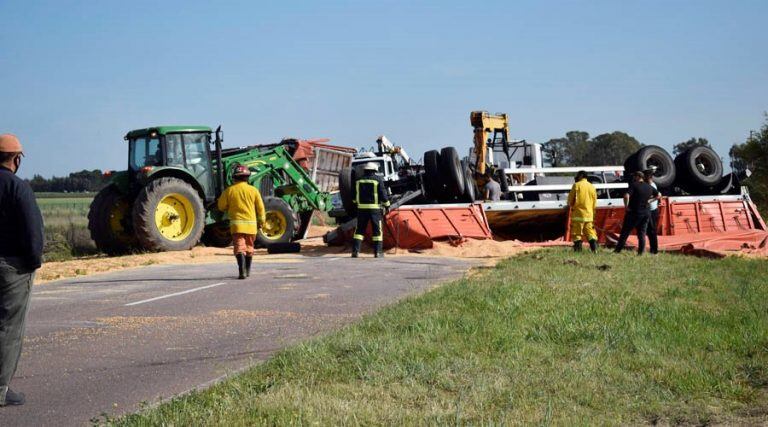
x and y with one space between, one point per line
175 217
275 226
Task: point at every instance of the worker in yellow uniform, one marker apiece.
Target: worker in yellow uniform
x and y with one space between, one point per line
371 199
247 215
582 200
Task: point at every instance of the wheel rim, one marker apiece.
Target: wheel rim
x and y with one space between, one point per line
704 165
116 217
175 217
275 226
658 165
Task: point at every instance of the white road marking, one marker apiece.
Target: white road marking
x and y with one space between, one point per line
175 294
333 259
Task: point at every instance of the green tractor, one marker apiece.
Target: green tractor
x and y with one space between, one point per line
166 199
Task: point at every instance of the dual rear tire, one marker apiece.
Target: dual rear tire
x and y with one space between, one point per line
446 177
697 170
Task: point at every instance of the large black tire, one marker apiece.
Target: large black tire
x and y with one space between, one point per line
347 190
654 156
433 182
699 168
725 186
168 216
452 174
282 223
217 236
109 221
470 186
630 165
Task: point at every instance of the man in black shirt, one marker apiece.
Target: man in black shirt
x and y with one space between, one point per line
21 252
637 212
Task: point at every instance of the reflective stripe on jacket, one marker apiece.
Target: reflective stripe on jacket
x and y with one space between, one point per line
242 202
370 192
583 201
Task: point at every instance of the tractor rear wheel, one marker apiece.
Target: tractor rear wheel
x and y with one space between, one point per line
168 215
109 221
282 223
217 236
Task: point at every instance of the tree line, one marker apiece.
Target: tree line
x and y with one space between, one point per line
578 149
76 182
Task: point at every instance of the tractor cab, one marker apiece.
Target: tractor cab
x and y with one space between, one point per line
177 151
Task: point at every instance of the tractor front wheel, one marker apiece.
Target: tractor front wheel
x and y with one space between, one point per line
109 221
168 215
281 225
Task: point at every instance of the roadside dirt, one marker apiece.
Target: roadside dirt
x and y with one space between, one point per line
312 246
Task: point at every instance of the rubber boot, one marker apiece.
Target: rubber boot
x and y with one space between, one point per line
11 398
356 247
248 260
378 250
241 265
593 245
577 246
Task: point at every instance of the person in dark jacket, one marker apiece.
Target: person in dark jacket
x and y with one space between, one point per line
21 253
653 206
370 198
637 213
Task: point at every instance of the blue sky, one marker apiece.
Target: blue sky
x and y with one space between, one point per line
76 76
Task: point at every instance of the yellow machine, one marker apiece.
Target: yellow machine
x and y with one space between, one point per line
497 127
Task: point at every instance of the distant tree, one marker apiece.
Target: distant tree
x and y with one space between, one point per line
577 136
753 155
693 142
604 150
556 152
76 182
561 151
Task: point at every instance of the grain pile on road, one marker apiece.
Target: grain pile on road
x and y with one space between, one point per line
473 248
313 245
102 264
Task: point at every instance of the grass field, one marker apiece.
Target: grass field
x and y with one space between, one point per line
546 338
66 225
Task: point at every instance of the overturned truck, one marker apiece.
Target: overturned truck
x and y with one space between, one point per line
698 196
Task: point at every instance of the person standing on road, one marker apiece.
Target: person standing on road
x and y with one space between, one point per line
637 213
653 206
492 189
21 253
371 199
243 203
582 200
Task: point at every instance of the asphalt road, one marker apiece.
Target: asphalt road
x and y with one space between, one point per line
107 343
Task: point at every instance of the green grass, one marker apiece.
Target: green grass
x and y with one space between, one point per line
52 195
547 337
66 225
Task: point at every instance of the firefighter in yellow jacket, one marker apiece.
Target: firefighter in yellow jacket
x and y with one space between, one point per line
582 200
247 215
